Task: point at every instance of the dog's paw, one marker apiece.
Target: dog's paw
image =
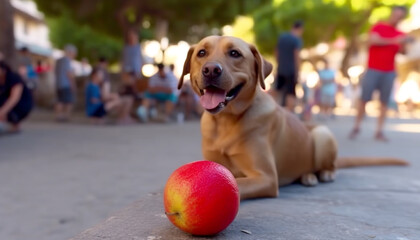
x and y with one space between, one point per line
309 180
326 176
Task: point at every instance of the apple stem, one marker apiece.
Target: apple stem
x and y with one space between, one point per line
171 214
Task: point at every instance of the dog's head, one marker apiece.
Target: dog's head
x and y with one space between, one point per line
225 72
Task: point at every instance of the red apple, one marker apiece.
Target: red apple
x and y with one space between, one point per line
201 198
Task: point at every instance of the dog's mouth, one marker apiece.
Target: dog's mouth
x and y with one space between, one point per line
214 99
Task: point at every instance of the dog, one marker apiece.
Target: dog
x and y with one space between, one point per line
245 130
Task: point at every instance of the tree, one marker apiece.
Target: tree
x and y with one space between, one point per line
325 20
7 39
187 19
90 43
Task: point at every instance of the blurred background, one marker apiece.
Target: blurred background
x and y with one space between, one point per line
335 30
58 179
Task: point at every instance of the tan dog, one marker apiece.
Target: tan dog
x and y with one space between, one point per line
243 128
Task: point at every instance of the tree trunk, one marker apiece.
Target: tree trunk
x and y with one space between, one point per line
122 19
352 47
7 37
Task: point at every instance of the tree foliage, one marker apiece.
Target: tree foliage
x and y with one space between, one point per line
89 42
187 19
324 19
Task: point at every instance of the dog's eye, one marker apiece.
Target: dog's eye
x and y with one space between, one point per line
201 53
234 53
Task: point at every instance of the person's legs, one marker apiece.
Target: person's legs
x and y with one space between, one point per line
186 101
385 89
359 117
143 110
169 108
126 104
290 102
64 106
16 116
97 117
369 83
13 119
381 120
329 109
189 106
278 93
59 109
68 109
290 91
170 101
323 106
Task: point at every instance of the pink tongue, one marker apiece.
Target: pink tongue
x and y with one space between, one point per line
212 98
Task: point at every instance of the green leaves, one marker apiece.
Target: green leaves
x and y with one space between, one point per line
90 43
325 20
187 19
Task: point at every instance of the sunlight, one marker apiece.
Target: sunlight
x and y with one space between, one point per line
151 48
268 82
312 79
411 128
409 89
148 70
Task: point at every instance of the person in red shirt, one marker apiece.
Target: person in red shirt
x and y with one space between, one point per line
385 41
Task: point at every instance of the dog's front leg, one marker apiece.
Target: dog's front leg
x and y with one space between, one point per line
257 164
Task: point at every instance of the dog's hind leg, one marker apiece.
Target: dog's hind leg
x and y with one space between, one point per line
326 175
325 153
309 180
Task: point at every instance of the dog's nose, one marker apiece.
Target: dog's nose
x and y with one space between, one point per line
212 70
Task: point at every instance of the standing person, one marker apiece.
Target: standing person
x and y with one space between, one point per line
288 63
15 98
385 42
328 89
132 55
65 84
163 88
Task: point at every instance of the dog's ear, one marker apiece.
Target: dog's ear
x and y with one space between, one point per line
262 66
187 66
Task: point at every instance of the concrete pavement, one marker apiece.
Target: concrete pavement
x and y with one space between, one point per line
58 180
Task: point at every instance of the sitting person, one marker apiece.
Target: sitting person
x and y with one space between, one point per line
163 88
97 105
15 98
106 92
188 101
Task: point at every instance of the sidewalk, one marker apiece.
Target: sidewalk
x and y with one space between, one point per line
58 180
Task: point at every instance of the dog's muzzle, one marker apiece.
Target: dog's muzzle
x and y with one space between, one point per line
215 99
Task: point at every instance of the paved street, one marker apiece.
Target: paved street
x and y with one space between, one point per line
58 180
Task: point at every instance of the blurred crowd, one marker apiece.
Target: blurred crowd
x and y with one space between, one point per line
302 87
128 98
320 83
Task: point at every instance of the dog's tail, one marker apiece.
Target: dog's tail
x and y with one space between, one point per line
348 162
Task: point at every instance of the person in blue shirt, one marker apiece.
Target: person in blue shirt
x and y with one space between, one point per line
132 54
65 84
95 108
288 62
98 106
